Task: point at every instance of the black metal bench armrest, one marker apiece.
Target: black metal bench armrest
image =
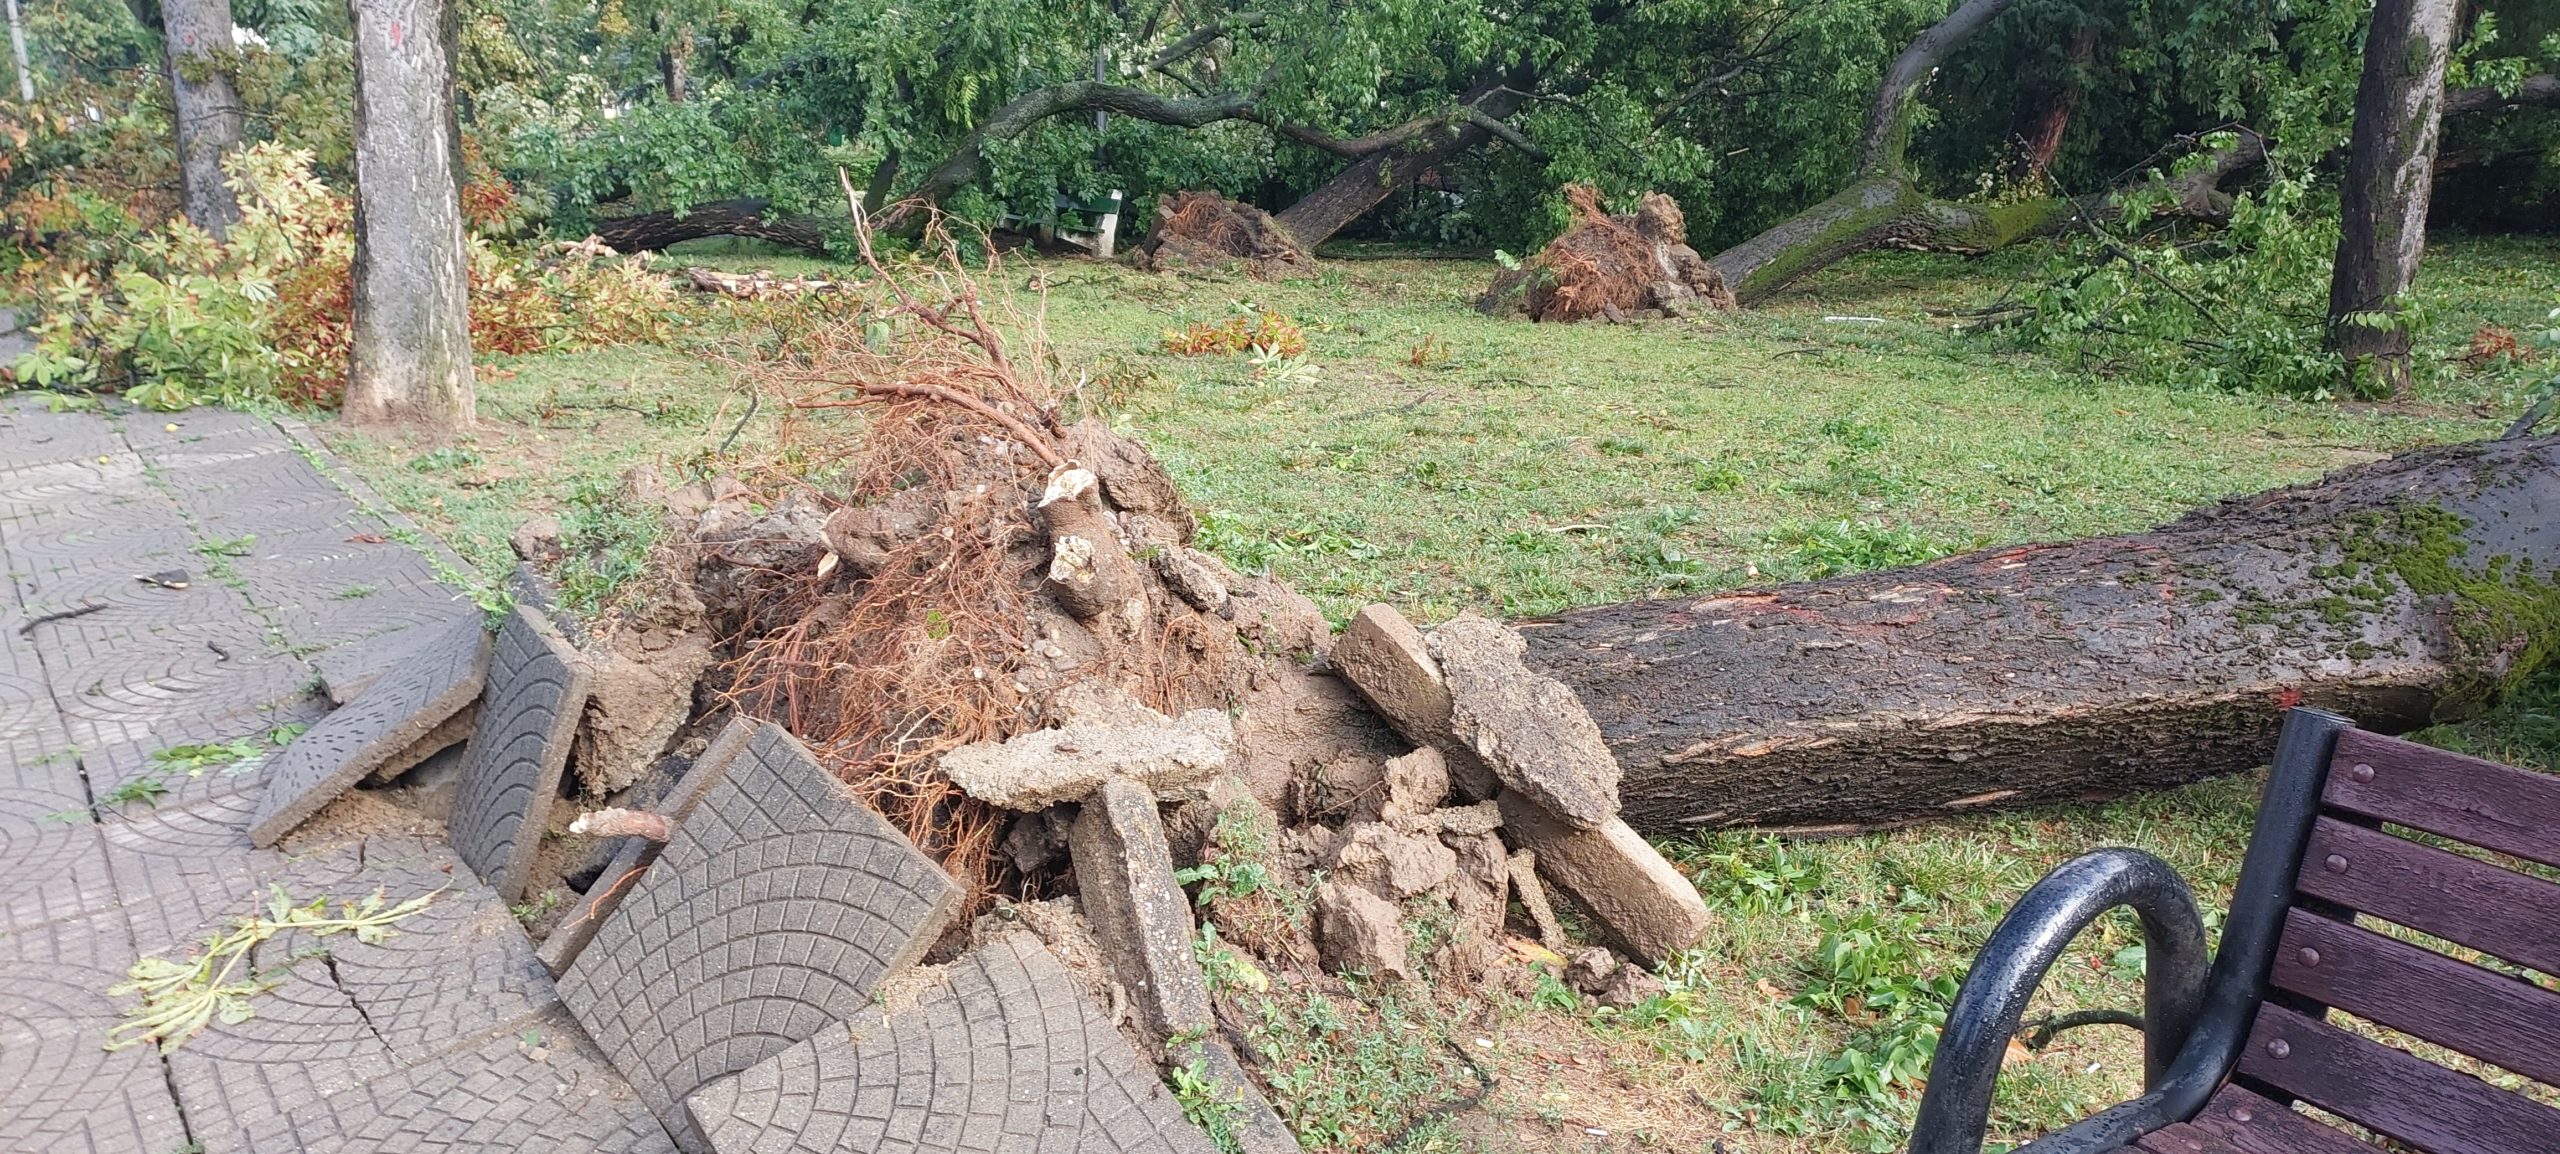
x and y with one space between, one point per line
1957 1104
2210 1023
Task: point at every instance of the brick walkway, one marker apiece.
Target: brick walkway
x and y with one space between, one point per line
446 1035
171 581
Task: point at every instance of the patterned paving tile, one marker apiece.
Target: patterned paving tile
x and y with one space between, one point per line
622 874
306 1041
50 870
781 903
65 1091
1009 1057
456 971
437 679
541 1090
173 683
511 775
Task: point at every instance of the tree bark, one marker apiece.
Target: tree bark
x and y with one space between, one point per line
2541 90
2390 172
18 49
2046 109
2401 592
1393 167
673 64
207 107
746 216
411 328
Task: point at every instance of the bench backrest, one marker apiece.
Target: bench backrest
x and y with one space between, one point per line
2362 864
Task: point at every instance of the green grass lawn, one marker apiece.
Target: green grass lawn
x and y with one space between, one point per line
1429 457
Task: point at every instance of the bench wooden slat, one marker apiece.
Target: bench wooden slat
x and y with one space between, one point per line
2430 890
2258 1125
2510 810
2490 1016
2183 1139
2415 1101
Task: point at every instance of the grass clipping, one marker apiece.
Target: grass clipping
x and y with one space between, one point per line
1619 267
884 675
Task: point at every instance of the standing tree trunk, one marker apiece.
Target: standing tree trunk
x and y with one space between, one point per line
412 316
673 64
18 48
2390 171
1335 204
207 107
2400 593
2045 109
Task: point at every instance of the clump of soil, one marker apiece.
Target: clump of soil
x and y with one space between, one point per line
1206 232
1621 267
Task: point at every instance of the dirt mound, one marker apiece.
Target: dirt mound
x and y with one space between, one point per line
1621 267
1203 231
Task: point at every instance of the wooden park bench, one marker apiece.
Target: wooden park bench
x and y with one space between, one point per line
2229 1050
1092 224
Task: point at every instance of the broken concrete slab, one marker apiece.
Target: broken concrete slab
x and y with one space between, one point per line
1360 931
433 683
1479 899
1007 1056
537 689
1385 657
1042 768
1197 578
780 905
640 692
1643 906
1522 869
1416 783
622 873
1463 820
1390 864
1141 917
1530 728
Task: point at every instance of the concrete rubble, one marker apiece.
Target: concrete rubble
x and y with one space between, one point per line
1045 767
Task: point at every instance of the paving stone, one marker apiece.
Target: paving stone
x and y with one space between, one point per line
119 545
622 874
64 1090
349 669
150 432
181 870
305 1041
178 685
451 732
779 906
1642 905
31 732
537 688
49 870
539 1090
432 684
332 602
261 519
457 970
1009 1057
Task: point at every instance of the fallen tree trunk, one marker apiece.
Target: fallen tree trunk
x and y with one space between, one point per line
745 216
2399 593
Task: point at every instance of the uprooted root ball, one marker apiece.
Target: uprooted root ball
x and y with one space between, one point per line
1622 267
1205 232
